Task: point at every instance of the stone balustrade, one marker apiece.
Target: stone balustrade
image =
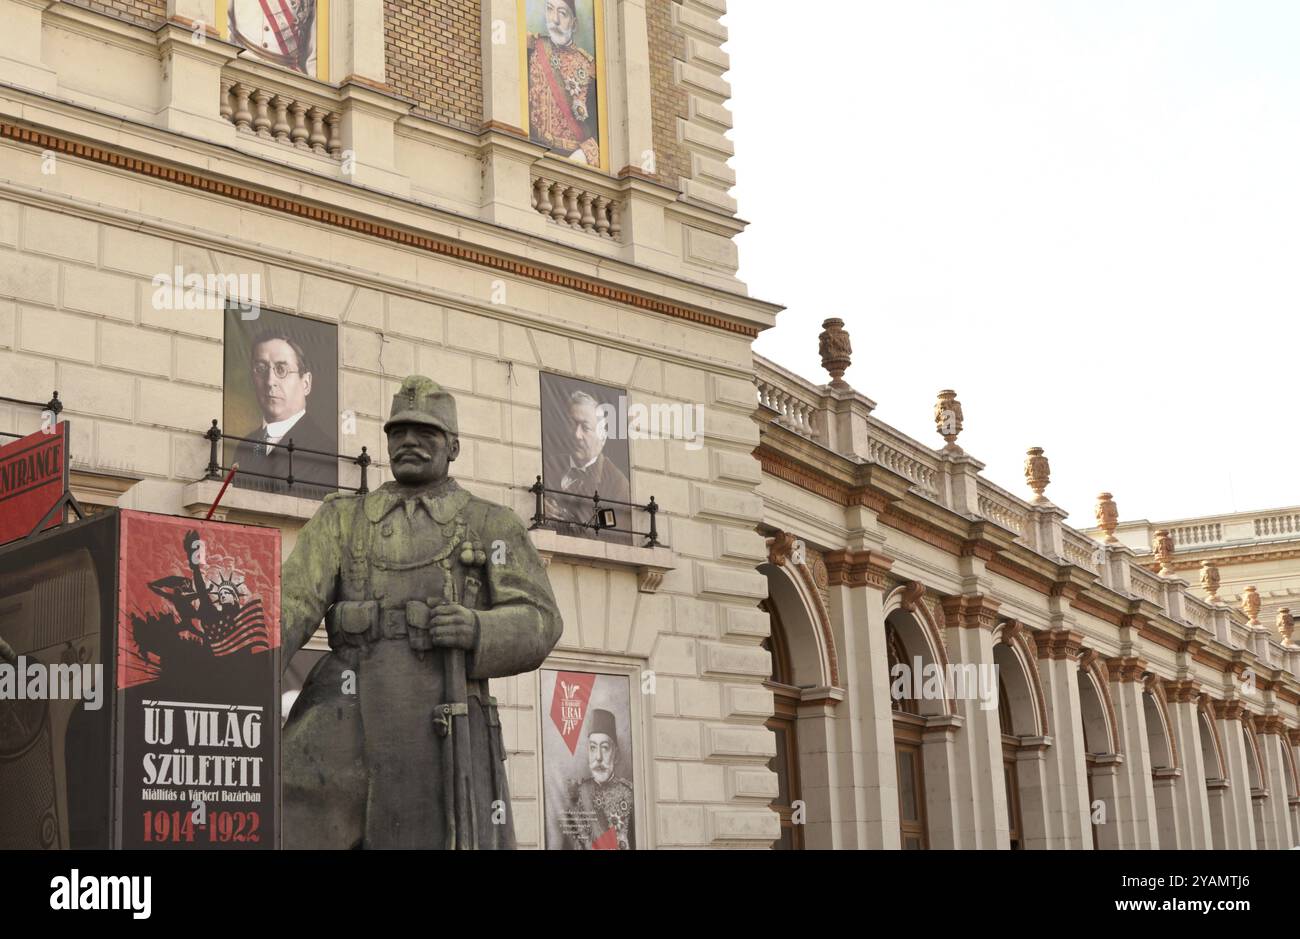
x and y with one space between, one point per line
805 408
1187 535
1271 526
578 206
257 107
904 456
795 409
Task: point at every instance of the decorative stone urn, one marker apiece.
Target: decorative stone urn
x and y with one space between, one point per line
835 349
948 417
1250 605
1210 581
1285 625
1162 546
1038 473
1107 514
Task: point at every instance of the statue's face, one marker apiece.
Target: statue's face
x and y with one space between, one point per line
559 22
601 754
420 454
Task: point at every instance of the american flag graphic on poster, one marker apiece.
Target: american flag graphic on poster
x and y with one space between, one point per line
198 682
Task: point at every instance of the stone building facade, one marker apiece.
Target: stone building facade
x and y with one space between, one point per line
395 199
1128 711
400 204
1259 550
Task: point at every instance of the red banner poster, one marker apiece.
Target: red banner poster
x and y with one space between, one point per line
197 628
569 705
33 477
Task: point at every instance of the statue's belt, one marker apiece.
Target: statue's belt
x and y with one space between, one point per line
361 622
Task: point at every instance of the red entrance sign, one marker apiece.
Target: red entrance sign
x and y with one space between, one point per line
33 478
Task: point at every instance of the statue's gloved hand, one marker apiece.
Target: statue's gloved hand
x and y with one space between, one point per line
452 626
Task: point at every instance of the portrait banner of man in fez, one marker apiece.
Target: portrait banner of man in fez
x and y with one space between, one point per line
587 782
564 60
585 453
281 384
283 32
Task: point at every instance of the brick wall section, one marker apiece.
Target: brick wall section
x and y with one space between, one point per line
434 57
668 100
148 13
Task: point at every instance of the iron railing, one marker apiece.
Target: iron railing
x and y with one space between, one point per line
54 406
217 471
542 520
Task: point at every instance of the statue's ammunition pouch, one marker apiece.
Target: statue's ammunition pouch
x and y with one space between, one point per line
361 622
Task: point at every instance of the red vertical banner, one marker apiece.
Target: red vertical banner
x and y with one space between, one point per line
33 478
569 705
198 626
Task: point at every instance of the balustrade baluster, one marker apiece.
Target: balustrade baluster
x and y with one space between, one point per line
335 143
299 131
262 119
280 126
317 138
243 118
227 112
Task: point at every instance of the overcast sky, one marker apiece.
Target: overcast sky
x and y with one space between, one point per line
1083 216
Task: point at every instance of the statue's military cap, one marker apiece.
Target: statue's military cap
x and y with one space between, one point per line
422 400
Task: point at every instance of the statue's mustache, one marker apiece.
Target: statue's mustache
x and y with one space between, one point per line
415 452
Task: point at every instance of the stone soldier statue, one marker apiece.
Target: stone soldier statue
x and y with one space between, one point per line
427 592
601 807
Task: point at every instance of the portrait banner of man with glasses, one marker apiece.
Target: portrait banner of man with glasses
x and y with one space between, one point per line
281 384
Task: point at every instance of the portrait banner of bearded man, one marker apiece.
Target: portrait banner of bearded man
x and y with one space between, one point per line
562 94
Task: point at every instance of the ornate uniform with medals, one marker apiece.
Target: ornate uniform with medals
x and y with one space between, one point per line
280 31
600 816
365 758
562 98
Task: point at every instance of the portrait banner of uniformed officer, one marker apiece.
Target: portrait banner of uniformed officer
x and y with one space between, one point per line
585 452
427 592
282 32
281 384
564 54
588 787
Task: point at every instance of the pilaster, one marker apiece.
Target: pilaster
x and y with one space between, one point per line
21 61
980 795
191 85
1238 813
870 803
1135 804
1069 820
1191 799
368 129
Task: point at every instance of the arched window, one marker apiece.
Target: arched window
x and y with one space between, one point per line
783 725
908 729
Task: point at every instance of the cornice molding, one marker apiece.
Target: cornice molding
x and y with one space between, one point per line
363 226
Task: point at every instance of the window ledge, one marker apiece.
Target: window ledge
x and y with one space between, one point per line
650 563
245 504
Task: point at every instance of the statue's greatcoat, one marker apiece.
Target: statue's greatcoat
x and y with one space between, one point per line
362 767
